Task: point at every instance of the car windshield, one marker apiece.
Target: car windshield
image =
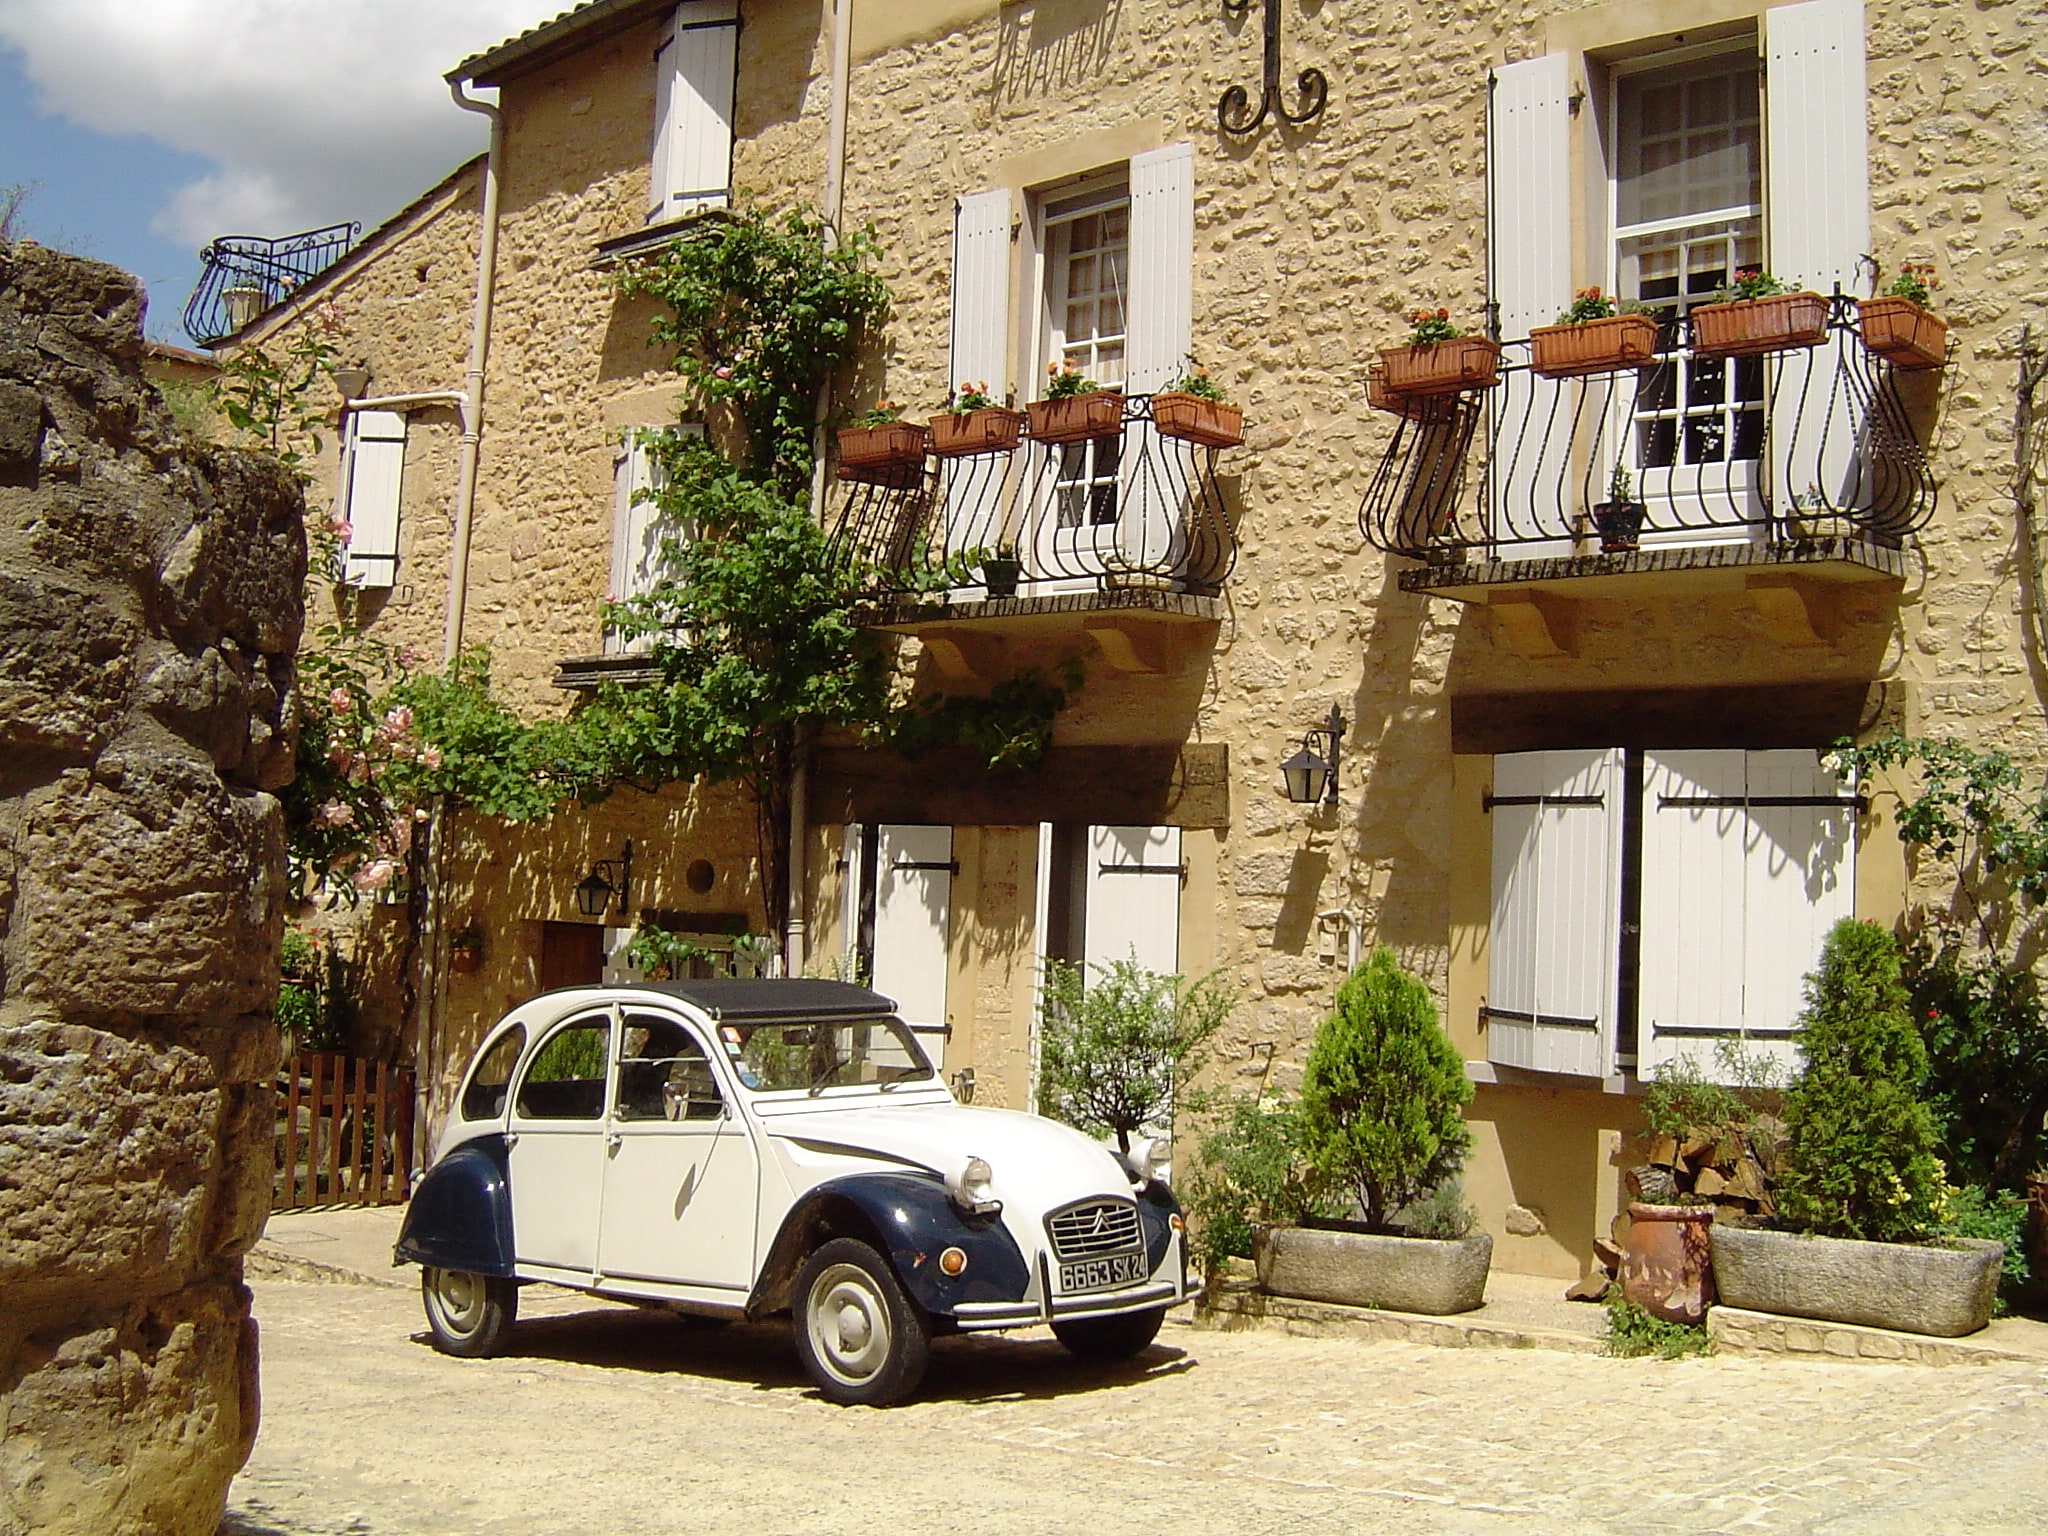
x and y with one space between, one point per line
776 1058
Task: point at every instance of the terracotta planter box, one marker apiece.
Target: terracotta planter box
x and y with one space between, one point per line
1944 1291
1754 327
1195 420
882 454
1368 1269
1078 418
1666 1266
1423 408
992 429
1441 367
1902 333
1593 346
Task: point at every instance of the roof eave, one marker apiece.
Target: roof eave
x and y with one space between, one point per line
568 33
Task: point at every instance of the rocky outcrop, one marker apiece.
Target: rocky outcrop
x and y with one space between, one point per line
150 608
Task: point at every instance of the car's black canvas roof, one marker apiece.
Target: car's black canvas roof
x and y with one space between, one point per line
765 998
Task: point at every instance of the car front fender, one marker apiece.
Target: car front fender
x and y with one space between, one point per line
460 1215
912 1220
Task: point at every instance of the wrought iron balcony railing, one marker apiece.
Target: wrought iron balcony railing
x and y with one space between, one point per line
242 275
1137 508
1805 444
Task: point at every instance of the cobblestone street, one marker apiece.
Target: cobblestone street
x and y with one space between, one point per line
606 1420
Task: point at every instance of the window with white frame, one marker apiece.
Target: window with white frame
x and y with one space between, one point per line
1749 151
372 481
1649 905
1086 240
695 72
638 527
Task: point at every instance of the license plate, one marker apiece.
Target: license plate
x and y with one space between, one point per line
1103 1274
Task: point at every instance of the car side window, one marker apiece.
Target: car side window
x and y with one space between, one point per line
664 1073
565 1079
484 1098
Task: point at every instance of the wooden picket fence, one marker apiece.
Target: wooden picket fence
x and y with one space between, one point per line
344 1132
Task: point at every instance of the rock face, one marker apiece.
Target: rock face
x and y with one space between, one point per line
150 609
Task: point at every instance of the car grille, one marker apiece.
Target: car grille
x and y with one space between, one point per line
1093 1227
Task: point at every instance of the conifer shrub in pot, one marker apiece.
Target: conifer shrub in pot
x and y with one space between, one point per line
1382 1125
1860 1199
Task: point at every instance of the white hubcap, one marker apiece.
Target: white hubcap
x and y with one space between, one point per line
459 1298
849 1324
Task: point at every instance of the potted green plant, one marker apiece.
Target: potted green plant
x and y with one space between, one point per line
1757 314
1619 519
1001 571
881 448
975 422
1598 334
1441 358
1194 411
1860 1198
1897 325
1075 408
1382 1101
466 947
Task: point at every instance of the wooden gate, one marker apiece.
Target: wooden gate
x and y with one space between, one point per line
344 1132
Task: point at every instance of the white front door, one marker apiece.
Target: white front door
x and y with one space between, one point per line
681 1180
913 911
556 1132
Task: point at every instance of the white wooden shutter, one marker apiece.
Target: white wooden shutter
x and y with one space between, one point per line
1694 830
1748 860
694 80
1159 334
376 477
1817 223
1530 236
1133 903
1554 948
913 914
980 351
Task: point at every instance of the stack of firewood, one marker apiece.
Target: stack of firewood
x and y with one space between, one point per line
1728 1166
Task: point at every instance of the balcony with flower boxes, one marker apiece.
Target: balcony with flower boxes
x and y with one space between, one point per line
1104 514
1772 447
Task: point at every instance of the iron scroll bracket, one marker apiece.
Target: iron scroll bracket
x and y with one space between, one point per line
1234 113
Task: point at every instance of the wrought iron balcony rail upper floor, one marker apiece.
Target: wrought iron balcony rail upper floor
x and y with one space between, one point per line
1821 441
242 275
1136 507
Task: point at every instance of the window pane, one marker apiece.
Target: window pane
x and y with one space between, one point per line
773 1058
566 1079
484 1098
664 1073
1689 140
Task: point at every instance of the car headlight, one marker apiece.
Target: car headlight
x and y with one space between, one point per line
1148 1155
974 1187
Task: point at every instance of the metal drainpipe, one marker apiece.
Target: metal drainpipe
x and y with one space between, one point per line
795 930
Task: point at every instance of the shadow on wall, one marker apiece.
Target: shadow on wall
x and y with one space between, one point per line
1054 45
1548 1143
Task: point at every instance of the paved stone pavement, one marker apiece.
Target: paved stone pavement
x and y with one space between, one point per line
607 1420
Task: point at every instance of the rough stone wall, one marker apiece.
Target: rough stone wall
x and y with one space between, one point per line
149 614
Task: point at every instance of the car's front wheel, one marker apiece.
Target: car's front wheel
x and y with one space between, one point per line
470 1315
861 1338
1111 1338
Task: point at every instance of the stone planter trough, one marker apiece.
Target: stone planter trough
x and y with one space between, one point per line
1368 1269
1943 1291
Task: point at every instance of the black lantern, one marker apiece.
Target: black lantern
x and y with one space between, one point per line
1311 774
607 877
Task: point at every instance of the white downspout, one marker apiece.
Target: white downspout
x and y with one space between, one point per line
794 935
473 375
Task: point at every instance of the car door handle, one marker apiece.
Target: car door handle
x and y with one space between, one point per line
613 1141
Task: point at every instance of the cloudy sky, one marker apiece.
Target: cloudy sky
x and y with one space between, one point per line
146 127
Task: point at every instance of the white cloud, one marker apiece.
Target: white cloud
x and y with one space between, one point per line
315 111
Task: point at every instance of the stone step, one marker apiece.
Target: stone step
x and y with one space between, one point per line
1737 1331
1233 1307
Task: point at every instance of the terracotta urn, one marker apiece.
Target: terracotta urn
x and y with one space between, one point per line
1667 1265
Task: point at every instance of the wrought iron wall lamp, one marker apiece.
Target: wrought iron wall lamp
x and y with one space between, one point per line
1234 113
607 878
1311 774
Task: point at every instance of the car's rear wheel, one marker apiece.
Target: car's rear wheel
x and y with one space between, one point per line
1111 1338
470 1315
862 1340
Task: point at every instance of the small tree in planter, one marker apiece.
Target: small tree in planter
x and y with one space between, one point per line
1382 1100
1115 1052
1861 1182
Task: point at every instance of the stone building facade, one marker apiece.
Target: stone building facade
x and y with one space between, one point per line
1050 180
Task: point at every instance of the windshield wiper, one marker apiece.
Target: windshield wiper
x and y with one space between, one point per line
824 1079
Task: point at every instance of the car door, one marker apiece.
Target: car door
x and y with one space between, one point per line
555 1134
681 1176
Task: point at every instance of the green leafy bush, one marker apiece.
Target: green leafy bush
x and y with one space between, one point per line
1633 1332
1383 1092
1250 1171
1987 1059
1115 1051
1440 1213
1859 1154
1974 1211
